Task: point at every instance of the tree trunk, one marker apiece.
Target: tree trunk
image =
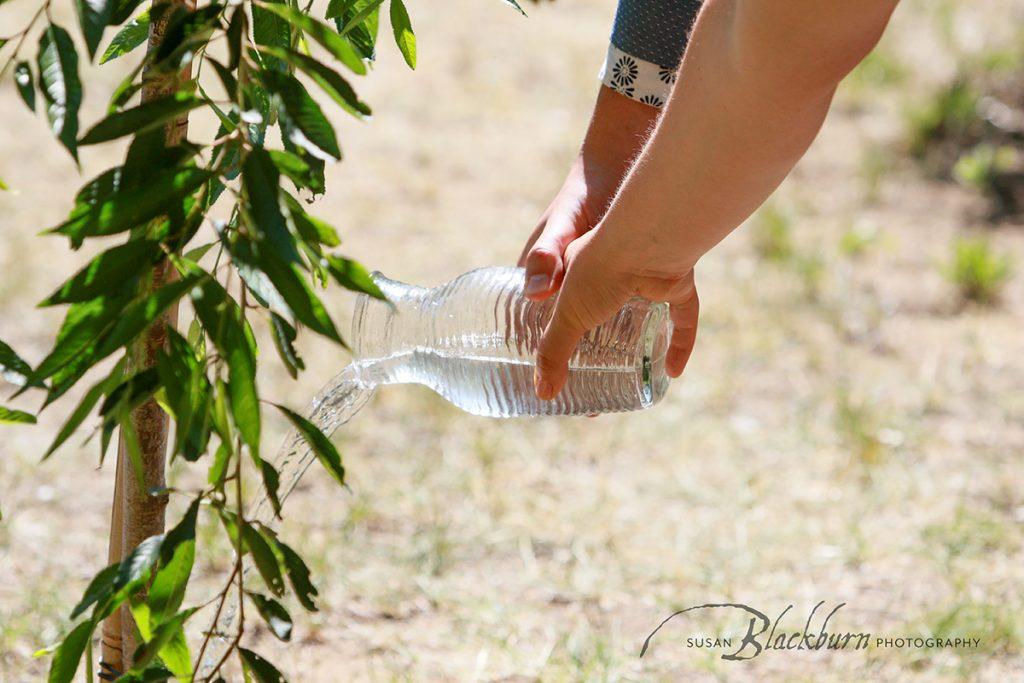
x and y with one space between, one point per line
136 515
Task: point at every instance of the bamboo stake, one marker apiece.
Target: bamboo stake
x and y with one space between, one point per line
135 514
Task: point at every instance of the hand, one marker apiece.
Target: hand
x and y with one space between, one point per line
599 278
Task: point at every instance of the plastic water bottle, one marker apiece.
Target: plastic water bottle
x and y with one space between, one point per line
474 341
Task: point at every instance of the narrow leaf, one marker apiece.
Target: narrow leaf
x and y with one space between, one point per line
274 613
258 668
69 653
12 367
93 17
404 37
120 211
338 46
62 89
299 577
144 117
223 321
351 275
134 34
107 273
177 555
310 128
328 79
284 338
23 79
265 558
10 415
325 451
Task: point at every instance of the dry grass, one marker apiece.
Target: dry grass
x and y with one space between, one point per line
845 432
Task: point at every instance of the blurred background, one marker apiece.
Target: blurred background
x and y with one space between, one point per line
850 427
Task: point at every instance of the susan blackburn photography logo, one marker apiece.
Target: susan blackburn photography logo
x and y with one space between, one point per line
762 634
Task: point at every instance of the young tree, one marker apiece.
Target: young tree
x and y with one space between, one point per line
249 64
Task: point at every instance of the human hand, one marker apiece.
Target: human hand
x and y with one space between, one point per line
600 277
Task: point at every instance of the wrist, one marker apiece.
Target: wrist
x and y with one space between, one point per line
617 133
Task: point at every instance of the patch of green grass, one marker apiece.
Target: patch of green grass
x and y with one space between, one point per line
856 241
772 234
876 162
857 425
999 627
979 273
971 532
984 168
948 114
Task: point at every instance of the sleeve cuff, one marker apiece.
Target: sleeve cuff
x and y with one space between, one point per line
636 78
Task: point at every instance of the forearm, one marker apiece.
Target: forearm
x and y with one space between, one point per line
753 91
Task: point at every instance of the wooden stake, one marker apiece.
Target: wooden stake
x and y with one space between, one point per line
135 514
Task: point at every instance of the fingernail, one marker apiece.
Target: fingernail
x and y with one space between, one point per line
543 387
537 284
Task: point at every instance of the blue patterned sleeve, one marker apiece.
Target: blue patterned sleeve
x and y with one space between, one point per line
647 44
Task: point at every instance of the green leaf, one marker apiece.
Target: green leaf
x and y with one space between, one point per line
223 321
58 79
126 209
362 35
329 80
311 229
356 13
186 31
299 577
351 275
134 34
325 451
85 407
261 185
177 555
83 325
284 338
114 584
218 470
122 10
258 668
93 17
270 28
516 5
188 396
142 312
109 273
298 169
12 416
23 79
265 558
271 484
144 117
163 635
309 128
98 589
274 613
302 300
404 37
176 655
339 48
12 367
236 30
69 653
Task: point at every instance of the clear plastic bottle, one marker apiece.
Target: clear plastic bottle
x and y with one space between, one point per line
474 341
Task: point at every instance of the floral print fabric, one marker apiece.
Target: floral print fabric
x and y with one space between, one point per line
636 78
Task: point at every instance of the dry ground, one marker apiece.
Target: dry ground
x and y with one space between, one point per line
846 431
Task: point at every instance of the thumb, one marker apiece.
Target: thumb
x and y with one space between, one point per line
584 302
544 260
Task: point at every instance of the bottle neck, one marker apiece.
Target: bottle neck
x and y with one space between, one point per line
380 329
